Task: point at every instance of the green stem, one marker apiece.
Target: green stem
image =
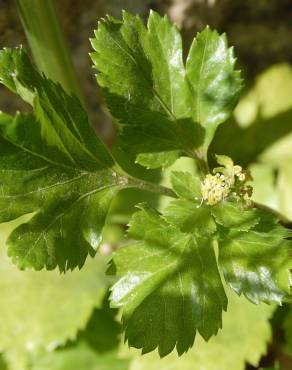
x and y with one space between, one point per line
47 42
202 163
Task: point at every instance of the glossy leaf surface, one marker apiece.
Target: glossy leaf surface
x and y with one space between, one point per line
256 264
170 286
161 105
215 86
243 339
190 218
53 164
232 215
185 185
169 280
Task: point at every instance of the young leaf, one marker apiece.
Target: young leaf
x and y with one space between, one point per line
161 106
231 215
186 186
51 163
190 218
169 287
225 161
256 263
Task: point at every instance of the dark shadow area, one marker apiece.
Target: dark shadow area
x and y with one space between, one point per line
102 332
244 145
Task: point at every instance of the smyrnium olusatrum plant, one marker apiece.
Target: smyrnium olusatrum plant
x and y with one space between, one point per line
173 273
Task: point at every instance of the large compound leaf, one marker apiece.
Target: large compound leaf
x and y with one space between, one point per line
161 106
243 339
51 163
170 286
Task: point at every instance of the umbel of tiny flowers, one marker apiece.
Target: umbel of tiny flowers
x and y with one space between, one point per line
226 181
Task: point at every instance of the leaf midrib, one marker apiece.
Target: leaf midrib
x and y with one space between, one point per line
155 92
58 164
70 133
202 67
59 216
38 190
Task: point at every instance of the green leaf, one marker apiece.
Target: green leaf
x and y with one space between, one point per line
215 86
169 287
130 75
257 264
243 339
157 102
224 160
51 163
156 160
233 215
62 132
190 218
183 164
42 310
169 279
102 332
185 185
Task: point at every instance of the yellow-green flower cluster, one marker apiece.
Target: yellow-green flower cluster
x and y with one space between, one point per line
215 188
225 182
